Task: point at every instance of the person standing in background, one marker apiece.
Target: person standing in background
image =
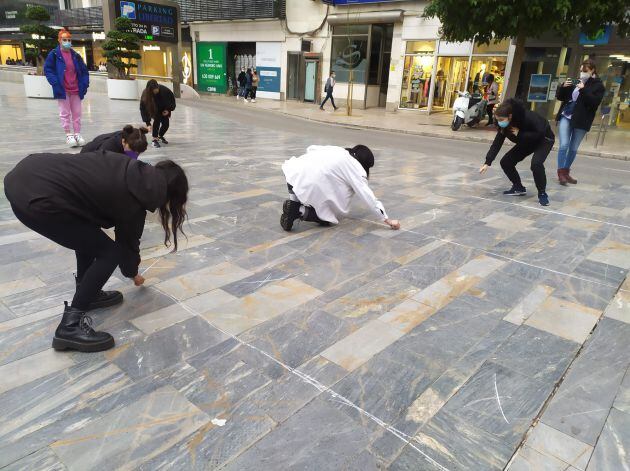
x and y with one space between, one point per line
492 91
69 77
242 79
157 103
255 81
328 88
580 101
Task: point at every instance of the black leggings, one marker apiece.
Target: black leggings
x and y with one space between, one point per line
97 254
517 154
489 109
160 126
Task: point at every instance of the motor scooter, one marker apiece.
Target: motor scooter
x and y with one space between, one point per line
468 109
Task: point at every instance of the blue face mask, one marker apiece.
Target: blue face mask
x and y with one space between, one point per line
503 124
132 154
66 44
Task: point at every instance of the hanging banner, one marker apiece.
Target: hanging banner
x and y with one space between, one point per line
211 67
269 69
538 87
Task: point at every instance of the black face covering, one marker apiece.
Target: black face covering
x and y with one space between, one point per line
364 156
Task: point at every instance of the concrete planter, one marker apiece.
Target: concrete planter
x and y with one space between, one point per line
36 86
122 89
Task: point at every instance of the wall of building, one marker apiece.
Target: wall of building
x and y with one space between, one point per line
304 16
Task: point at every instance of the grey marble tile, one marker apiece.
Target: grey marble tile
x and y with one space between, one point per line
611 452
622 401
42 460
253 282
154 352
580 406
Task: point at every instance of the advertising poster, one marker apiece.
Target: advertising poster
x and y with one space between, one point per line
539 87
150 21
269 68
211 67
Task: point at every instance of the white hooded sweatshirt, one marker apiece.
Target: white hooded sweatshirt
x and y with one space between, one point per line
326 178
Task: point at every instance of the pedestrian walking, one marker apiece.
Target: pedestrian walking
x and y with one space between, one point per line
157 103
255 82
492 93
248 85
69 198
69 77
532 134
322 183
328 89
580 100
130 141
242 79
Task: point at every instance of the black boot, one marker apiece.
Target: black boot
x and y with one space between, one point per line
75 333
310 215
290 212
104 298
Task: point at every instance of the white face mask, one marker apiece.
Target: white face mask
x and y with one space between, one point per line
584 76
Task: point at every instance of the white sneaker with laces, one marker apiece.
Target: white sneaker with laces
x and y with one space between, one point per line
79 139
71 141
254 101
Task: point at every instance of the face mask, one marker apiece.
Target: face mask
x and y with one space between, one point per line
584 76
503 124
66 44
132 154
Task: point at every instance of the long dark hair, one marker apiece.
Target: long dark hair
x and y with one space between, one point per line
135 138
147 98
364 156
176 198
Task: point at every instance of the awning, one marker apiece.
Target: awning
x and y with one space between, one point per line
368 17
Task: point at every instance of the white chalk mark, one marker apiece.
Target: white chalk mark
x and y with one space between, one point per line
267 279
313 382
496 391
616 169
150 266
218 422
551 211
509 259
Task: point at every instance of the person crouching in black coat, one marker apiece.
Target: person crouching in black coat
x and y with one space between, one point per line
69 198
130 141
532 134
157 102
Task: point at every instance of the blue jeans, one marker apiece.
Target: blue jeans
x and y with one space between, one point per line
570 139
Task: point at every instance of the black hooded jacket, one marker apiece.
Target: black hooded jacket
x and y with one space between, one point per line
164 101
111 141
533 129
586 105
103 188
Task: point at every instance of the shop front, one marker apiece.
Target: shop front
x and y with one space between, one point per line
435 71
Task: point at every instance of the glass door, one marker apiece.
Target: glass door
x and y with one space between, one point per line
310 80
450 78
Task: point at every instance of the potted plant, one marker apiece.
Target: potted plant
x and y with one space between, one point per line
120 49
43 39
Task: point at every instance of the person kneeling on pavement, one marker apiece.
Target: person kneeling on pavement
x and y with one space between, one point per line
68 198
322 183
130 141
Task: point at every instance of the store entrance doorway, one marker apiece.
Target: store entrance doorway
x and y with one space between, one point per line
450 78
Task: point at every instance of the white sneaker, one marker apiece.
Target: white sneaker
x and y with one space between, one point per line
254 101
79 139
71 141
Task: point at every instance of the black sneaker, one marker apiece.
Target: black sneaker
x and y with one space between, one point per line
290 212
75 332
515 191
164 141
156 144
543 199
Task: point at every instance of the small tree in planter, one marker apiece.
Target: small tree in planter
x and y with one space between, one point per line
120 49
45 37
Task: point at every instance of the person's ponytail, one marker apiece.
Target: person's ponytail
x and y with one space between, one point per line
173 213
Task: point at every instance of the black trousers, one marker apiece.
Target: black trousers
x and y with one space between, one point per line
254 92
160 126
332 100
517 154
489 109
97 255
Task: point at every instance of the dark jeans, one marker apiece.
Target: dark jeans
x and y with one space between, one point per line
254 92
97 255
489 109
517 154
248 93
160 126
332 100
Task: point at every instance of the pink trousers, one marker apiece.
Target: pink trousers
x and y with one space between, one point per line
70 109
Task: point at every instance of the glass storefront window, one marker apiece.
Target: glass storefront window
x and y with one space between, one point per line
350 53
480 68
450 78
345 30
420 47
500 47
416 81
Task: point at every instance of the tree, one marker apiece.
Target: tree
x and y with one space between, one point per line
488 20
43 37
120 48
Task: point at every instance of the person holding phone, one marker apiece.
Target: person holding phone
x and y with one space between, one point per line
532 134
580 100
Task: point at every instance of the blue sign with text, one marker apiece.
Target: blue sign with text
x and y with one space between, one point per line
269 79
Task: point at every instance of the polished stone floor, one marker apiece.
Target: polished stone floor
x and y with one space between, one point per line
354 347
